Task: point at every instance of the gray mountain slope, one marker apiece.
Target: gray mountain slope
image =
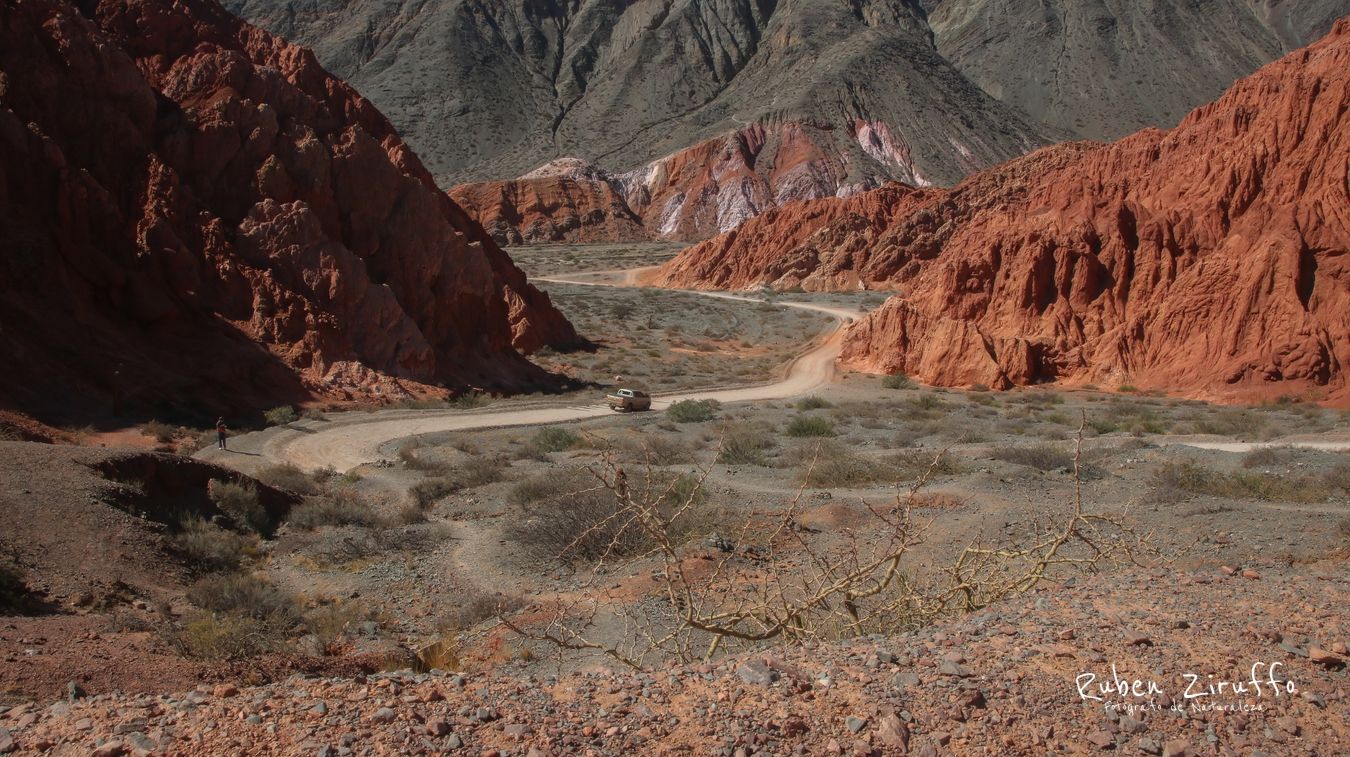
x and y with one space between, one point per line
488 89
492 89
1102 69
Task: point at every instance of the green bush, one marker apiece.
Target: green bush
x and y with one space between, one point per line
898 381
693 411
813 403
809 426
280 416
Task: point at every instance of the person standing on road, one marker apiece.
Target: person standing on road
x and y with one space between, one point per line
220 432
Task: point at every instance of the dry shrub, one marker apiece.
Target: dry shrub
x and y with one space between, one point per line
239 502
779 582
288 477
208 547
830 464
1192 477
1240 423
280 416
409 455
160 432
480 471
1043 457
743 444
937 501
806 426
244 594
554 439
898 381
589 524
340 508
222 636
1265 457
693 411
478 607
427 493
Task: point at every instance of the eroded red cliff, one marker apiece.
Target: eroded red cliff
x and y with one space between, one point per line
195 214
1212 259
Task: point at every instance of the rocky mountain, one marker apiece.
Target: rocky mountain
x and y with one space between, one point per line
761 102
1213 258
1105 68
194 214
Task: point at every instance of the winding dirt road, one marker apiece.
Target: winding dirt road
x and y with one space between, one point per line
349 440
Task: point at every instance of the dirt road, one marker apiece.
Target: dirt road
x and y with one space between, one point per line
348 440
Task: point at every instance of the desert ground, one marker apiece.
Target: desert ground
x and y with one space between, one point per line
452 544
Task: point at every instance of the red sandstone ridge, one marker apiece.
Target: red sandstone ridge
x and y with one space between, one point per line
1212 259
193 212
567 200
698 192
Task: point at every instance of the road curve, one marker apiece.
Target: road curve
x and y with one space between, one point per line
352 439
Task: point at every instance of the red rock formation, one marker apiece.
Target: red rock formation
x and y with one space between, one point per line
194 213
695 193
1212 259
565 201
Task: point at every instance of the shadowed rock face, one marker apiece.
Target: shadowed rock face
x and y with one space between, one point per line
194 213
1212 259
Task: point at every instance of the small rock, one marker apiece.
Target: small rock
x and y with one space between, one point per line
518 730
141 742
757 672
949 668
225 690
438 727
7 744
855 723
75 691
454 741
1323 657
110 749
1149 746
904 680
384 715
1101 739
893 733
1137 639
320 708
1176 748
1228 570
1340 648
1251 575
